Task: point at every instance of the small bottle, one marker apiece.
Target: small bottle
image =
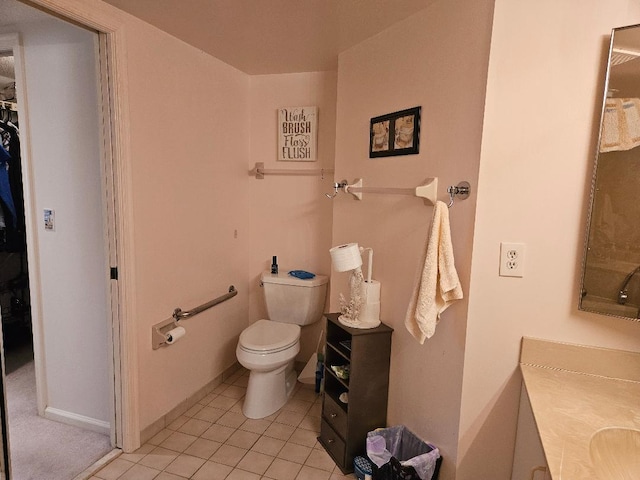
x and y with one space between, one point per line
274 265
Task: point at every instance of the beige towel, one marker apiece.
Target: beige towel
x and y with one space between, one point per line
620 125
438 286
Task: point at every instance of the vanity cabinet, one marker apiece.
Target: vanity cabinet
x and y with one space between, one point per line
356 404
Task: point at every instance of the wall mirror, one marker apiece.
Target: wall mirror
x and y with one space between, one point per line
611 266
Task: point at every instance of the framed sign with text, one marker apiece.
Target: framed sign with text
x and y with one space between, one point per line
298 134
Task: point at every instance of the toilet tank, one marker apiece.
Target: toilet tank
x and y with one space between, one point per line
293 300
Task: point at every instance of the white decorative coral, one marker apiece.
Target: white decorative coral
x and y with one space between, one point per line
351 309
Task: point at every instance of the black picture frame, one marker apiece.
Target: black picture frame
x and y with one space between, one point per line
395 133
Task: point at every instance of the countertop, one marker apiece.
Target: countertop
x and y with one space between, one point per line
575 391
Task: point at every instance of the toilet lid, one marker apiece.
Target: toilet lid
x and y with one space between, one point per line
265 335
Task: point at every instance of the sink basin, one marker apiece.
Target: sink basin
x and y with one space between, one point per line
615 453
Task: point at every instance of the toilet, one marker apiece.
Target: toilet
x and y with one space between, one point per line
267 348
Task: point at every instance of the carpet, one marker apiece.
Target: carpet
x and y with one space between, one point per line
41 448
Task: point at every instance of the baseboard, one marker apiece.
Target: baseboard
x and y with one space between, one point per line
156 427
87 474
77 420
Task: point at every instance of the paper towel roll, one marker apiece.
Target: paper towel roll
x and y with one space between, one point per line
370 311
175 334
369 315
346 257
371 291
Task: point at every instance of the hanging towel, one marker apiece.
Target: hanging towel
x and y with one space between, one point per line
438 285
620 125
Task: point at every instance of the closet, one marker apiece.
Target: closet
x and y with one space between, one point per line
14 277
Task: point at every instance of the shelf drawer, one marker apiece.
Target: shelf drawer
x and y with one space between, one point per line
335 416
332 443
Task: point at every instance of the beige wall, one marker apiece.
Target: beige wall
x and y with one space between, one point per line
543 103
289 215
200 222
189 117
436 59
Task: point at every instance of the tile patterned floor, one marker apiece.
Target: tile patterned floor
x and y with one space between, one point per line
214 441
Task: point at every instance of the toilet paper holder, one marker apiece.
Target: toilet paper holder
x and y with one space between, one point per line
159 332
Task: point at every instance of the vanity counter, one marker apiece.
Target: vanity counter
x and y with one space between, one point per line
574 392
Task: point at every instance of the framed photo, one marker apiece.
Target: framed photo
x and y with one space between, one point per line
396 133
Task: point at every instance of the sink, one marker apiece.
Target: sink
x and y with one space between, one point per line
615 453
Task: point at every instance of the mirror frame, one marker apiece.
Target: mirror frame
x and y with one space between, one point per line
582 291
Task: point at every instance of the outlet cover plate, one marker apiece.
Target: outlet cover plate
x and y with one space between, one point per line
512 256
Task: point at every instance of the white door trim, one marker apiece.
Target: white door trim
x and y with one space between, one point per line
108 21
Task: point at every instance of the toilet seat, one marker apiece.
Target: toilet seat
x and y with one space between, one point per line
266 337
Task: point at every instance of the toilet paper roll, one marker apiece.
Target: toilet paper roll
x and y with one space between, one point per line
346 257
371 291
175 334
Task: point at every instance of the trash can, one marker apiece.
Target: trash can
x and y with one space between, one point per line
396 453
362 468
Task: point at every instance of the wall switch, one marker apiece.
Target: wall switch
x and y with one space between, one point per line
512 259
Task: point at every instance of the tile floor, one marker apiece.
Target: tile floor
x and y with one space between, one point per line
214 441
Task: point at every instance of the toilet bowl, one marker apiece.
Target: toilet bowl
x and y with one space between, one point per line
267 349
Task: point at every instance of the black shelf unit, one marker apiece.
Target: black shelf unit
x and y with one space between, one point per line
344 426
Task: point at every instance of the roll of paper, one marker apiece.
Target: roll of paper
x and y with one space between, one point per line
370 311
175 334
346 257
371 291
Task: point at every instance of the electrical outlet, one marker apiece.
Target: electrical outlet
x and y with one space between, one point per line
512 259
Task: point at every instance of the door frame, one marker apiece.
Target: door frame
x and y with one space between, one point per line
109 23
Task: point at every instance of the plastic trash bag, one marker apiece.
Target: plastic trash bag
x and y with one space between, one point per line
398 454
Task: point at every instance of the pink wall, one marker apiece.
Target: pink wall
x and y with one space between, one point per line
289 215
189 116
436 59
544 95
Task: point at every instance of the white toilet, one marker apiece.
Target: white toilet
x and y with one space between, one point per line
268 347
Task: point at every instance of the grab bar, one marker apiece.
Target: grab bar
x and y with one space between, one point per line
160 331
178 314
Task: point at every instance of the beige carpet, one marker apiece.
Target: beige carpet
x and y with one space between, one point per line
40 448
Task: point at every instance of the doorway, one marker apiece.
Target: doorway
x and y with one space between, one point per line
66 296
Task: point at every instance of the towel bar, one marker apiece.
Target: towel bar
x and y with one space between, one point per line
259 171
428 190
